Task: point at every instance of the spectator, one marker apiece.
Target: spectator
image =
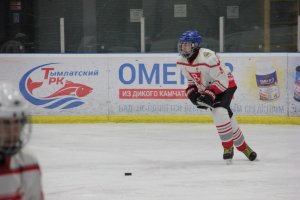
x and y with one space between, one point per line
16 45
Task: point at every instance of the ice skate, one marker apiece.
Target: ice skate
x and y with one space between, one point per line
249 153
228 155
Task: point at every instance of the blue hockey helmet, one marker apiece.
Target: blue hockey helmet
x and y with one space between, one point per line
188 43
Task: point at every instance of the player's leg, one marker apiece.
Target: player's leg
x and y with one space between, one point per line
223 100
221 115
223 125
239 140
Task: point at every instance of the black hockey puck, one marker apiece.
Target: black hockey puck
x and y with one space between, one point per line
128 174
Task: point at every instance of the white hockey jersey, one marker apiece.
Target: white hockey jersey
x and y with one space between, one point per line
20 178
206 72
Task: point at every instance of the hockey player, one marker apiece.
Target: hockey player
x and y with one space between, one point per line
211 86
20 176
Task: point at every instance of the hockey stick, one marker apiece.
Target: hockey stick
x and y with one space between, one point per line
200 103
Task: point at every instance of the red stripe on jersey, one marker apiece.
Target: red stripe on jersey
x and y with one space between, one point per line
198 64
11 197
5 171
219 83
219 88
215 89
231 84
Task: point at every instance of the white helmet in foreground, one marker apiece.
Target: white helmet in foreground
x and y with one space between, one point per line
15 125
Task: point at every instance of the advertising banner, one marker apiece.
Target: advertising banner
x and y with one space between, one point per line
152 85
59 84
147 84
294 84
261 81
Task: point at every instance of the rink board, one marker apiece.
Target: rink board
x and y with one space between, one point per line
146 87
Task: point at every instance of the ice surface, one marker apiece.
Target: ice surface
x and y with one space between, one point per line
167 162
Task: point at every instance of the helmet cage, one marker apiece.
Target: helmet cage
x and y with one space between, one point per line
187 53
14 134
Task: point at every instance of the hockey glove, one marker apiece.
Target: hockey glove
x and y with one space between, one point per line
192 93
207 98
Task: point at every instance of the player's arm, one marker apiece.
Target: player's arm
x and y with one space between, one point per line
191 90
219 74
220 80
